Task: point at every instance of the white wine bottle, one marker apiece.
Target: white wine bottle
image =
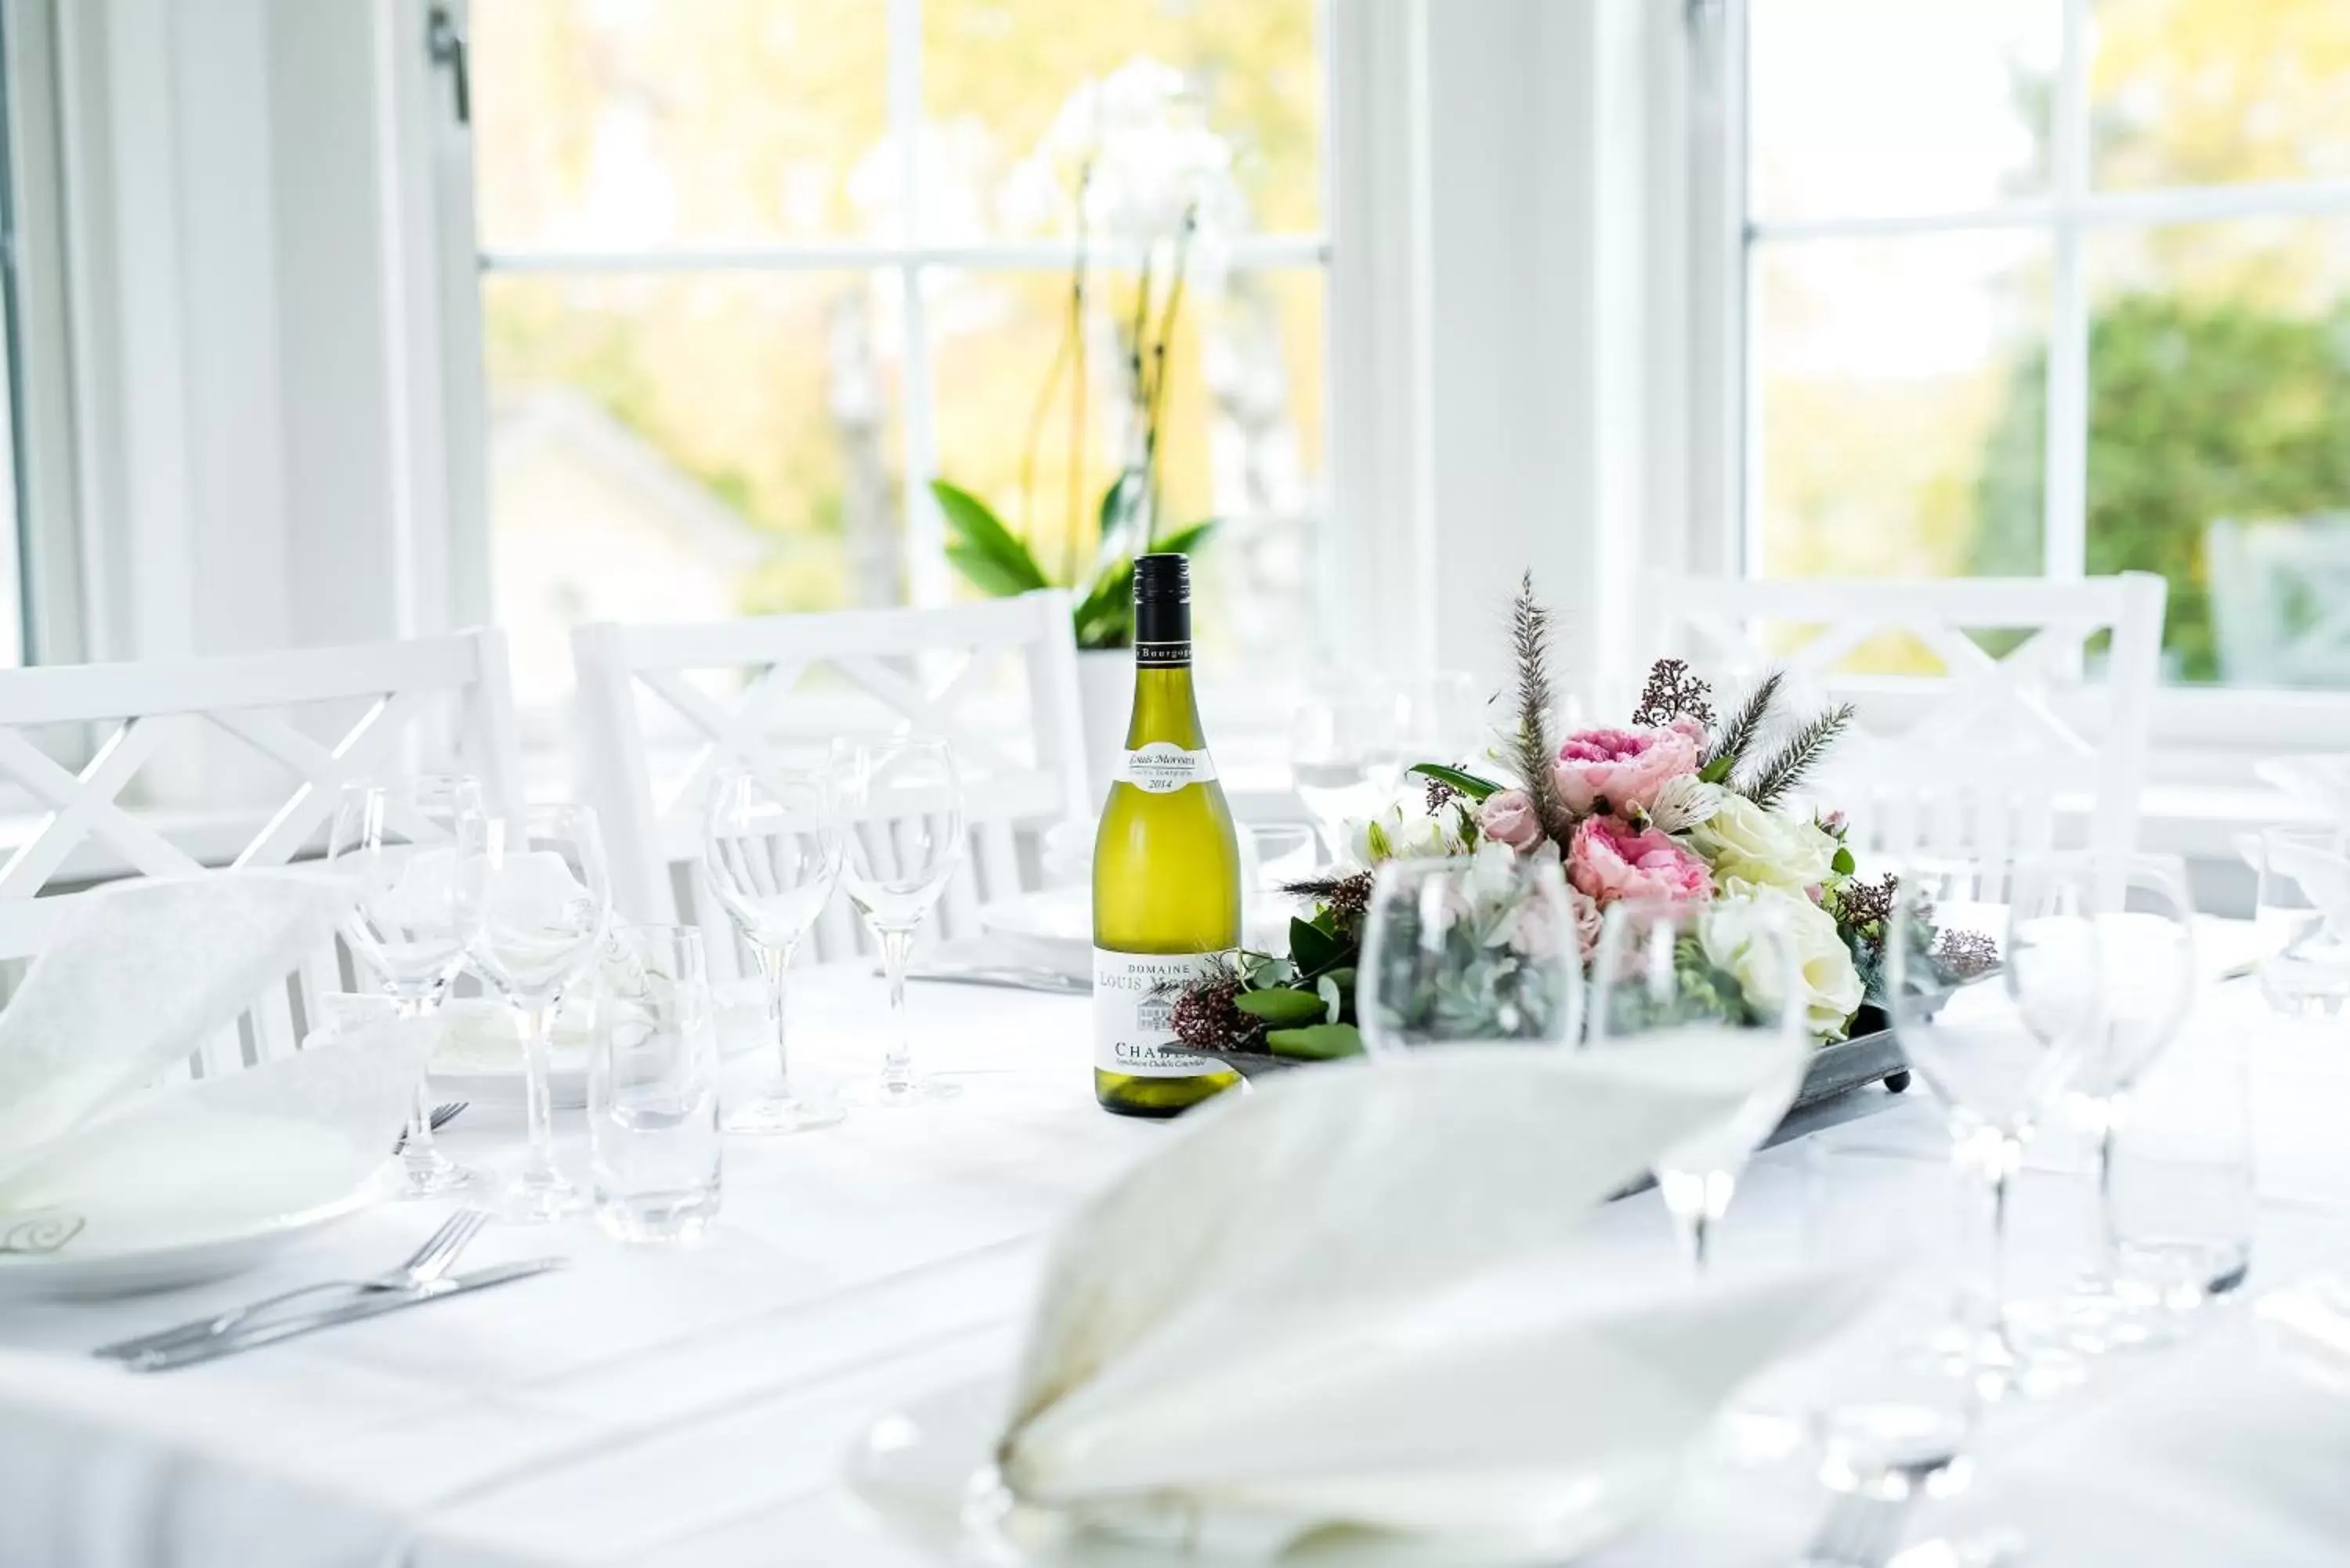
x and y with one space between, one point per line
1167 869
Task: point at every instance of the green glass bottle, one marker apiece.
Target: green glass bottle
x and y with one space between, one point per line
1167 869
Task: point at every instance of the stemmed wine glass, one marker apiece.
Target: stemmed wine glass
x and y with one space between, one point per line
1697 989
1995 986
546 909
1480 950
416 897
2144 918
771 846
902 806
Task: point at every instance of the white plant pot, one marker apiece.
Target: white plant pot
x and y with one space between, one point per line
1105 705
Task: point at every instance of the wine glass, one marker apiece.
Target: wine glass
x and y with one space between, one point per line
1695 992
1330 764
415 897
1995 990
2145 919
904 825
772 847
546 910
1477 949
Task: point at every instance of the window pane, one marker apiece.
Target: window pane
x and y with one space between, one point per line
604 123
1866 108
1007 84
689 448
2219 441
2210 92
1900 425
1240 431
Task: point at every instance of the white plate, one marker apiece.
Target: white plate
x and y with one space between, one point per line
1056 925
154 1265
925 1470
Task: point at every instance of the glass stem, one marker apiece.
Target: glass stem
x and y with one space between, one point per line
1985 1305
538 1096
2108 1112
772 963
416 1150
897 1065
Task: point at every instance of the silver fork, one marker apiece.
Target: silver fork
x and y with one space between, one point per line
430 1260
442 1117
1859 1531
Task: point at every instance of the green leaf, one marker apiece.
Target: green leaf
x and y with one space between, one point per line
982 547
1104 617
1311 948
1343 977
1718 770
1185 540
1469 784
1316 1041
1844 864
1280 1005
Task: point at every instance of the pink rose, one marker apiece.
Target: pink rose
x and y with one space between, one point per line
1624 767
1685 726
1610 861
1508 817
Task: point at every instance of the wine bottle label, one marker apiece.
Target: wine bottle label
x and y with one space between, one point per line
1163 655
1134 1014
1162 767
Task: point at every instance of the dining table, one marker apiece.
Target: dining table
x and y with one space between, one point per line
696 1405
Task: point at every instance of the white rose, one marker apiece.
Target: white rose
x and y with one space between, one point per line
1728 931
1744 840
1404 831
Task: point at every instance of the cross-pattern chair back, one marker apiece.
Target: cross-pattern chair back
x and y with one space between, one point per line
1977 753
2280 600
299 724
664 706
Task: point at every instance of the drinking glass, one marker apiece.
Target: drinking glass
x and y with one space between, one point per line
2302 919
1471 950
1330 762
546 908
2145 919
1995 990
652 1089
401 847
2182 1204
771 846
902 808
1700 990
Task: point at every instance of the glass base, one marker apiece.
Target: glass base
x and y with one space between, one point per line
539 1200
778 1111
434 1175
888 1093
2026 1357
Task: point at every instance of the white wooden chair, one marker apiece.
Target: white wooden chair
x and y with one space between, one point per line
273 738
1976 755
663 706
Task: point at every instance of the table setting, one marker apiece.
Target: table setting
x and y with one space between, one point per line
1510 1215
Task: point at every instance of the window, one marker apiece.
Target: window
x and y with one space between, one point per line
755 271
2059 286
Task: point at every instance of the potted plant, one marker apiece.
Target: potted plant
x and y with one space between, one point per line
1150 178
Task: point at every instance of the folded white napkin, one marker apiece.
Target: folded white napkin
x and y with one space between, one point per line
1347 1300
131 981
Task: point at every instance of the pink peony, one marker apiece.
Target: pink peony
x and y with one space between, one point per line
1610 861
1508 817
1624 767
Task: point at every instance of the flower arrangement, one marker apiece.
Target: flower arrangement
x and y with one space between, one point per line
1677 805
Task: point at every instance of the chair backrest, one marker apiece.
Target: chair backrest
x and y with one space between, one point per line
663 706
1976 751
302 722
2280 600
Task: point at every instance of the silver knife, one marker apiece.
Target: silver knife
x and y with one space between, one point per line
1008 977
173 1357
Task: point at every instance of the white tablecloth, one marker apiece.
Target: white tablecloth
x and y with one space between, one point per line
693 1407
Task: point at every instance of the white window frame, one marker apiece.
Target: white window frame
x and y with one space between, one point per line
2202 734
1357 74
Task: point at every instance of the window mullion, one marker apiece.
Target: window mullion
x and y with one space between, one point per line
926 564
2064 496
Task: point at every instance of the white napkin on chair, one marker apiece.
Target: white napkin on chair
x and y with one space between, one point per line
1347 1300
132 979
